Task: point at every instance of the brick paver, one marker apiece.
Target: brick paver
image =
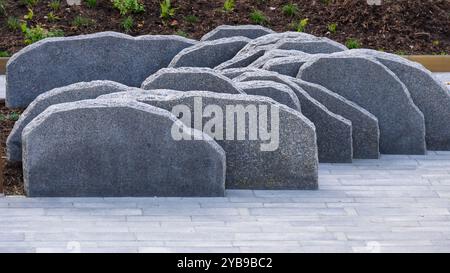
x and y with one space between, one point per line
397 203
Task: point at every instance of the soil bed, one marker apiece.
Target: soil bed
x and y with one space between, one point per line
11 173
400 26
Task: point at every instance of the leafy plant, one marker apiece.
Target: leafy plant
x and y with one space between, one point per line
13 116
29 15
181 33
13 23
81 21
4 54
167 11
38 33
91 3
51 17
352 43
399 52
126 7
55 5
191 19
29 3
332 28
258 17
301 25
229 5
127 24
290 9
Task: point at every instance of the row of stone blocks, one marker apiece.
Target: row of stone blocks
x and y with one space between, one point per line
100 119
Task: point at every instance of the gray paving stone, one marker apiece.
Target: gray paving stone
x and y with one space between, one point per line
209 53
57 62
227 31
373 86
365 130
252 162
276 91
190 79
334 133
73 92
430 95
67 152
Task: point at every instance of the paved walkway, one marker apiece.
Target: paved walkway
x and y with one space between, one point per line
398 203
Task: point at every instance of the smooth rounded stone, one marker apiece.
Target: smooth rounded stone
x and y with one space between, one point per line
430 95
235 72
276 91
374 87
226 31
319 45
57 62
117 148
267 41
334 133
242 60
365 130
210 53
190 79
285 160
73 92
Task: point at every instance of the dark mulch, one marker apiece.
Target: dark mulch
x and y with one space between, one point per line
11 174
406 26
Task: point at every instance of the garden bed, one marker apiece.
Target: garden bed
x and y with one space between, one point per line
400 26
11 174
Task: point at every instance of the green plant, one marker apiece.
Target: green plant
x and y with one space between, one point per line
38 33
128 6
167 10
4 54
29 15
127 24
229 5
13 116
301 25
29 3
55 5
290 9
181 33
191 19
332 28
51 17
91 3
352 43
258 17
81 21
13 23
400 52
